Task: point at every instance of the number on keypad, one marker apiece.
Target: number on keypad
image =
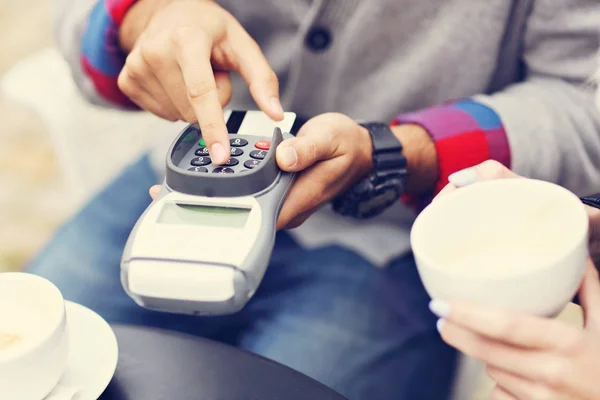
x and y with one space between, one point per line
258 154
202 162
223 170
238 142
198 169
203 151
235 152
231 162
250 164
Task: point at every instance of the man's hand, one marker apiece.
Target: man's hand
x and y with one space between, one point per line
180 56
333 152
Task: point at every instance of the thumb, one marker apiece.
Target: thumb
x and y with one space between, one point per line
589 296
486 171
299 153
154 191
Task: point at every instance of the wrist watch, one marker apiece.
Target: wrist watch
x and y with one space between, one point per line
384 185
592 201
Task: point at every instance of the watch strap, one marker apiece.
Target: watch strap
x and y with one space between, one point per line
592 201
387 149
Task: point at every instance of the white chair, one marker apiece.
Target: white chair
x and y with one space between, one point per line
92 144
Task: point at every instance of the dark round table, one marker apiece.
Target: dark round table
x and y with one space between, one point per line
158 364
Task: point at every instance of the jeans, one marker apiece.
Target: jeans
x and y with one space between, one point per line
328 313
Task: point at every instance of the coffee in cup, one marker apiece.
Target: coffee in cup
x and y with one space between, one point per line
518 244
33 336
8 340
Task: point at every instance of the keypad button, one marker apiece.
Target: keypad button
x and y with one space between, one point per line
202 143
202 151
223 170
258 154
235 152
238 142
200 161
250 164
198 169
263 144
231 162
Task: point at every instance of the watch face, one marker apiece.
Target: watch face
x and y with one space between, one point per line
381 201
383 196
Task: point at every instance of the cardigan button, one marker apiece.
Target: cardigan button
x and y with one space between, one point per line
318 39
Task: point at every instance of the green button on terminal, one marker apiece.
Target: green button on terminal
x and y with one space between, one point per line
202 143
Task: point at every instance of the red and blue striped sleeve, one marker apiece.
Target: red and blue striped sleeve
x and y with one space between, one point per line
465 133
102 57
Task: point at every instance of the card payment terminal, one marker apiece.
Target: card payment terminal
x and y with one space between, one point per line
204 243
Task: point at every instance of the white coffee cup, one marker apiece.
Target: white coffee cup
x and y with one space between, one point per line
517 244
33 336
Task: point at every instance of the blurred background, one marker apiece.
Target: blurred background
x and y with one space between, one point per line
53 145
30 181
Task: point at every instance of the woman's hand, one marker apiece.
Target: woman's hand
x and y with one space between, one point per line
530 358
180 56
486 171
331 152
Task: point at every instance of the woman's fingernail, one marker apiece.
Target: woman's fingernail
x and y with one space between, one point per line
288 156
440 324
276 106
439 308
464 177
217 152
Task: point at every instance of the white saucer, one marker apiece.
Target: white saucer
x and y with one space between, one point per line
93 354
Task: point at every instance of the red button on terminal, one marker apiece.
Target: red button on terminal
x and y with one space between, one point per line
263 144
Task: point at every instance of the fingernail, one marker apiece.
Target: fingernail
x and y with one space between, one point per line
217 152
440 324
276 106
439 308
464 177
288 156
